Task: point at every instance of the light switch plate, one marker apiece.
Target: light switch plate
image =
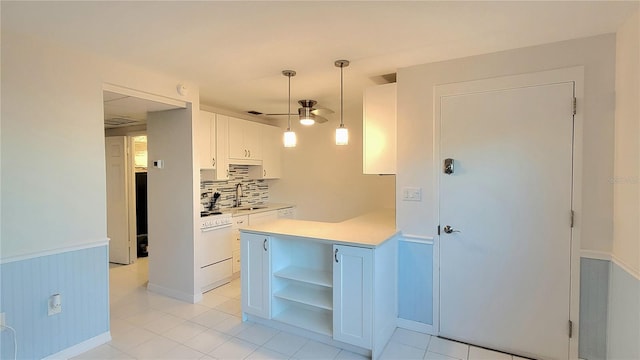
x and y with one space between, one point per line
411 194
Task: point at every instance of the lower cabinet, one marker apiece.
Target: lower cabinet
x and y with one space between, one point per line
346 293
255 275
353 295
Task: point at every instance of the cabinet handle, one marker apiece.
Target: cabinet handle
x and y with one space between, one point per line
264 245
241 222
213 161
245 152
227 173
265 172
335 255
249 153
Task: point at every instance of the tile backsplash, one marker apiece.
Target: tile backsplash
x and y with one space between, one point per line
254 192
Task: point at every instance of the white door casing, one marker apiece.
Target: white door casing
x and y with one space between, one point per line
117 171
500 284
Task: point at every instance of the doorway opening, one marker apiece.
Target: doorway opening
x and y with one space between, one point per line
125 123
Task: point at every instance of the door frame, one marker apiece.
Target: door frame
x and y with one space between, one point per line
571 74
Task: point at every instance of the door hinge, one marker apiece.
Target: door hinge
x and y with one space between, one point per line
438 229
573 215
575 106
570 329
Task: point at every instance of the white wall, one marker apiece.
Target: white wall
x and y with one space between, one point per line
324 180
415 126
171 204
626 179
53 174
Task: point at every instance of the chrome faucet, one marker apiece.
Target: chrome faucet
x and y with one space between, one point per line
238 194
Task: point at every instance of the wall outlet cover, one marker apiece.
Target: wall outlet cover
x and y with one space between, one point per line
411 194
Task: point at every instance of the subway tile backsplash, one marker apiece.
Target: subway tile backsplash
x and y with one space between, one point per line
255 192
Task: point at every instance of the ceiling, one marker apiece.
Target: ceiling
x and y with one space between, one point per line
236 50
124 110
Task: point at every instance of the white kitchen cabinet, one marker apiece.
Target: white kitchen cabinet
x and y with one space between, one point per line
379 129
256 275
271 152
353 295
263 217
206 140
211 145
245 142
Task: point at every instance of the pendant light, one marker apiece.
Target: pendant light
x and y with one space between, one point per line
289 135
342 134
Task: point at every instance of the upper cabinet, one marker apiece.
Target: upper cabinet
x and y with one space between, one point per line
206 140
245 142
271 152
211 145
379 129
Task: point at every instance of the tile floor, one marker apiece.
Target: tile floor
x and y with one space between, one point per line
145 325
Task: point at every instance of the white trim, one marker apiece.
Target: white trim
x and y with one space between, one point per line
190 298
596 255
82 347
55 251
416 326
624 266
570 74
428 240
143 95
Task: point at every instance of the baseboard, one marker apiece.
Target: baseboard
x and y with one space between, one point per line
82 347
416 326
179 295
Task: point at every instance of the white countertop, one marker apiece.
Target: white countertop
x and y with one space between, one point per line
369 230
265 207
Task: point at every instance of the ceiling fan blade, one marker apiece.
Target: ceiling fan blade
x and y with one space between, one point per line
284 114
320 119
322 111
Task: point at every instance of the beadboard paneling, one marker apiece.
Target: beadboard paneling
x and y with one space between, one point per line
415 281
82 279
624 314
594 290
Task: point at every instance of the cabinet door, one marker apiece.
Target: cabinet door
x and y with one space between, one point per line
253 139
255 275
205 137
237 149
271 152
352 295
222 147
263 217
379 129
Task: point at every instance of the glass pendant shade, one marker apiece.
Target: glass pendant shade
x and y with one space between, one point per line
342 136
290 139
307 121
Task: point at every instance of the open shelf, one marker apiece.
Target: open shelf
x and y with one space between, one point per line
313 296
316 277
316 321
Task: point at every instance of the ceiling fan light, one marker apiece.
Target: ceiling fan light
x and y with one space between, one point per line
342 136
290 139
307 121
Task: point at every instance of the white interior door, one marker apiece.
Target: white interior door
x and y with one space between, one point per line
117 199
505 276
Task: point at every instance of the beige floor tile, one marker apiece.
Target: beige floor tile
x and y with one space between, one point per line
185 331
206 341
233 349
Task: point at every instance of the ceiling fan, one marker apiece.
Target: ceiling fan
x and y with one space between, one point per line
308 114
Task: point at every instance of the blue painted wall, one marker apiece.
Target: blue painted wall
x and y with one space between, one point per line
594 294
415 281
82 279
624 315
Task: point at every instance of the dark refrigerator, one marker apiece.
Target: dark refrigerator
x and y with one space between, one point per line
141 213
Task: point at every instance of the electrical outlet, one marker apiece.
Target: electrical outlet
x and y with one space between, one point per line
55 304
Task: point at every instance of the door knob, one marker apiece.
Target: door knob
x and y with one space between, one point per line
448 229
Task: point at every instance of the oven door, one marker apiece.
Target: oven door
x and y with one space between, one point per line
215 245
